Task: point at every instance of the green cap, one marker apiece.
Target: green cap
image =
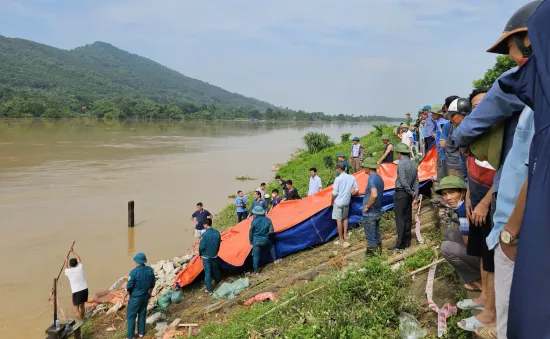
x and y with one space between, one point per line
450 182
370 163
489 146
402 148
258 210
355 139
385 137
341 154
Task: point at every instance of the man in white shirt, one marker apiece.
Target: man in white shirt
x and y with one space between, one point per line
261 189
315 184
344 187
406 136
79 287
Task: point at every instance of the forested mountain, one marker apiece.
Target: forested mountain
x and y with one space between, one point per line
37 80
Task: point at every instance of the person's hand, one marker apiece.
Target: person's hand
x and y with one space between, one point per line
415 204
509 250
379 162
479 214
365 210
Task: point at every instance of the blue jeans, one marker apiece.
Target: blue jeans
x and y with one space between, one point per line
211 268
256 248
372 230
137 307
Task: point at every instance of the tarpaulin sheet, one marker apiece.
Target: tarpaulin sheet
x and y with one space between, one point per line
303 223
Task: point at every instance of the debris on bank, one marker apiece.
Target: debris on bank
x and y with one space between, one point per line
165 274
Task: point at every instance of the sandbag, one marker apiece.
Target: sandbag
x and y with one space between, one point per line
165 300
231 290
177 296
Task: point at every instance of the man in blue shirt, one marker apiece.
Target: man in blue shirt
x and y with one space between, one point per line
496 107
372 206
208 250
240 202
199 216
439 122
275 198
343 188
258 201
429 128
528 309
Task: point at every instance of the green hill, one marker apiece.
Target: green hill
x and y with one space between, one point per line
100 69
101 80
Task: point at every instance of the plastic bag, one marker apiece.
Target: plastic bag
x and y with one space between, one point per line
165 300
410 327
177 296
261 297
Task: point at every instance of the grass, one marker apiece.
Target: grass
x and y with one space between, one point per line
363 301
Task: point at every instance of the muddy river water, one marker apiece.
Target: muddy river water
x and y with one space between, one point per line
68 181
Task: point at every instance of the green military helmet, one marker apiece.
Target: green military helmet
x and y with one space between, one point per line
341 154
402 148
370 163
488 147
385 137
450 182
258 210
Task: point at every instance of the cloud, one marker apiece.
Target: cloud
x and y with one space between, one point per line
371 65
353 56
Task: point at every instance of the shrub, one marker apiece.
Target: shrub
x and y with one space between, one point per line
328 160
316 142
345 137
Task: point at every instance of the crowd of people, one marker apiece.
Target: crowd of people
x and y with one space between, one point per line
492 184
487 159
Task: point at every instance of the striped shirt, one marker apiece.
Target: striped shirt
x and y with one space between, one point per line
407 176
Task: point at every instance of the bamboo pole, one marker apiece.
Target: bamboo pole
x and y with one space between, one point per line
427 266
288 301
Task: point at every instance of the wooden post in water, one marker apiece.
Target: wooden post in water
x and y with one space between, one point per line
131 213
54 301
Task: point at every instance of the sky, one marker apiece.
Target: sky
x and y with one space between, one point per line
352 56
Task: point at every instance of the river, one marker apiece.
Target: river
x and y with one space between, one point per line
72 180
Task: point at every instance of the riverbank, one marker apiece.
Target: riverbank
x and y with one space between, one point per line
354 299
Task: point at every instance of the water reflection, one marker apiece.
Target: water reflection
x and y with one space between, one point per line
131 240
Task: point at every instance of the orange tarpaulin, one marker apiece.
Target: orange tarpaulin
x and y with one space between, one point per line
235 246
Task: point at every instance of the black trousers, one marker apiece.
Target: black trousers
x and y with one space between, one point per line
402 206
428 143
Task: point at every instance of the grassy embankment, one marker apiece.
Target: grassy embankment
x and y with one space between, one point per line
363 300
